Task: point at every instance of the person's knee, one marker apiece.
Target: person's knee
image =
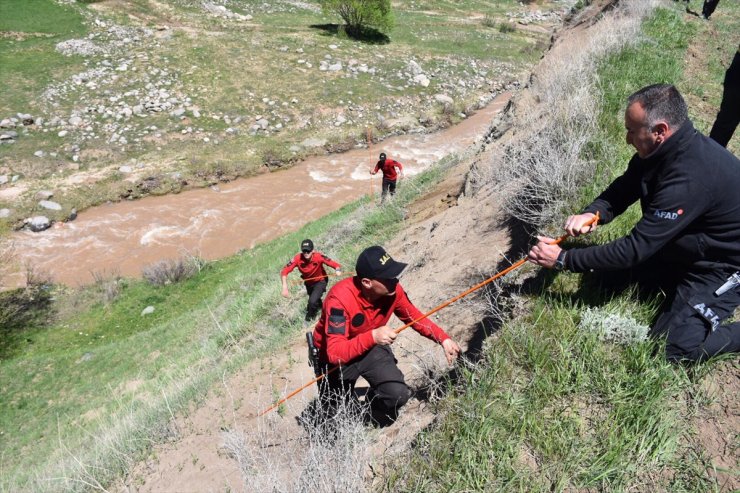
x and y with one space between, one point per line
392 395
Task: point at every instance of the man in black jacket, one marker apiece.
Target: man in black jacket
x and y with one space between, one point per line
689 192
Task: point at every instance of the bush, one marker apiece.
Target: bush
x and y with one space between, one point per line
360 16
170 271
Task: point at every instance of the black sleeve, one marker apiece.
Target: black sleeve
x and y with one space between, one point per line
674 205
622 193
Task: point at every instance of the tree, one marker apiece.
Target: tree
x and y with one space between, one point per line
359 15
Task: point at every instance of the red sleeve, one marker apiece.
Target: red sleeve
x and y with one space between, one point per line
377 166
340 349
289 266
398 165
407 312
330 262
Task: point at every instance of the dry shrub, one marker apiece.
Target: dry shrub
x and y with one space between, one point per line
107 285
171 271
329 457
543 165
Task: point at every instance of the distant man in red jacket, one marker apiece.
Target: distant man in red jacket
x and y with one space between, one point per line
311 266
353 332
388 167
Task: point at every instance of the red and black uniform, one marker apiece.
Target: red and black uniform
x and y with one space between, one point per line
388 167
344 337
314 275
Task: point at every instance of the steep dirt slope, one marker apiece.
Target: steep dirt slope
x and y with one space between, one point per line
451 240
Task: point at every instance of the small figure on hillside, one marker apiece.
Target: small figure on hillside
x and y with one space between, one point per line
388 167
688 239
310 264
353 332
729 110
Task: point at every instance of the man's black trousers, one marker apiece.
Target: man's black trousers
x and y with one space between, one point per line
379 367
692 324
729 109
388 186
315 292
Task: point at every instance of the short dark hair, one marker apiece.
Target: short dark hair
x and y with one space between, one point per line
661 102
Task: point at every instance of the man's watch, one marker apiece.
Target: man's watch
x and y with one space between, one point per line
560 262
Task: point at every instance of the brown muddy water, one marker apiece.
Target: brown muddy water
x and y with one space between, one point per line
122 238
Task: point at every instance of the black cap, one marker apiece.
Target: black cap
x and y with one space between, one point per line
307 246
375 263
382 156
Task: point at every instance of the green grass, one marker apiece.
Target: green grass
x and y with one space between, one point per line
86 368
550 407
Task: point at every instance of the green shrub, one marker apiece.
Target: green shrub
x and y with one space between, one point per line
360 16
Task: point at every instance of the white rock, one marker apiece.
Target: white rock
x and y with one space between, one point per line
62 133
75 121
443 98
422 80
39 154
147 310
4 213
4 179
52 206
38 223
125 169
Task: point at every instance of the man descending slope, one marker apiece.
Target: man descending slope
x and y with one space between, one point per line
311 266
388 167
352 332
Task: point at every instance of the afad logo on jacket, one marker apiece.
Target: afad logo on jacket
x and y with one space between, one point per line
672 216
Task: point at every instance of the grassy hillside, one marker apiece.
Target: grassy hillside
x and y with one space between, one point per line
190 95
571 396
91 379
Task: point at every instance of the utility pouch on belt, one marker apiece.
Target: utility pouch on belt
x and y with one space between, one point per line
732 282
313 354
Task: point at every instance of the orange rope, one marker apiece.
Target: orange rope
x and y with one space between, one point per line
369 149
498 275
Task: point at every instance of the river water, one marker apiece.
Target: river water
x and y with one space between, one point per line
124 237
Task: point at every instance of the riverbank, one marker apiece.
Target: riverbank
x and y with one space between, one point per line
127 101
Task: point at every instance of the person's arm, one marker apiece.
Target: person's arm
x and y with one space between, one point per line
331 263
619 195
677 202
340 349
377 168
284 276
407 312
400 168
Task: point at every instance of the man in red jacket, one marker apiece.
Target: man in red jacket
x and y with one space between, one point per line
388 166
353 332
311 266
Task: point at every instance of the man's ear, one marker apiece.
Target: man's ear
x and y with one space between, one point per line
366 283
662 129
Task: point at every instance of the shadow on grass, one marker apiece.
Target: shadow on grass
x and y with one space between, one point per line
21 309
367 35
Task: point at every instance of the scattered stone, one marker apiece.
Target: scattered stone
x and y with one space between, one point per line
422 80
52 206
3 179
147 310
125 169
314 142
75 121
62 133
44 195
414 68
38 223
7 123
72 215
39 154
443 98
4 213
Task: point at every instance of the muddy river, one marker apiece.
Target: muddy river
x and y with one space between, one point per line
123 237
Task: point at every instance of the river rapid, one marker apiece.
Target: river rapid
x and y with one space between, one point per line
123 237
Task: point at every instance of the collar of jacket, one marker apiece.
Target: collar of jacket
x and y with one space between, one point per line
670 150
